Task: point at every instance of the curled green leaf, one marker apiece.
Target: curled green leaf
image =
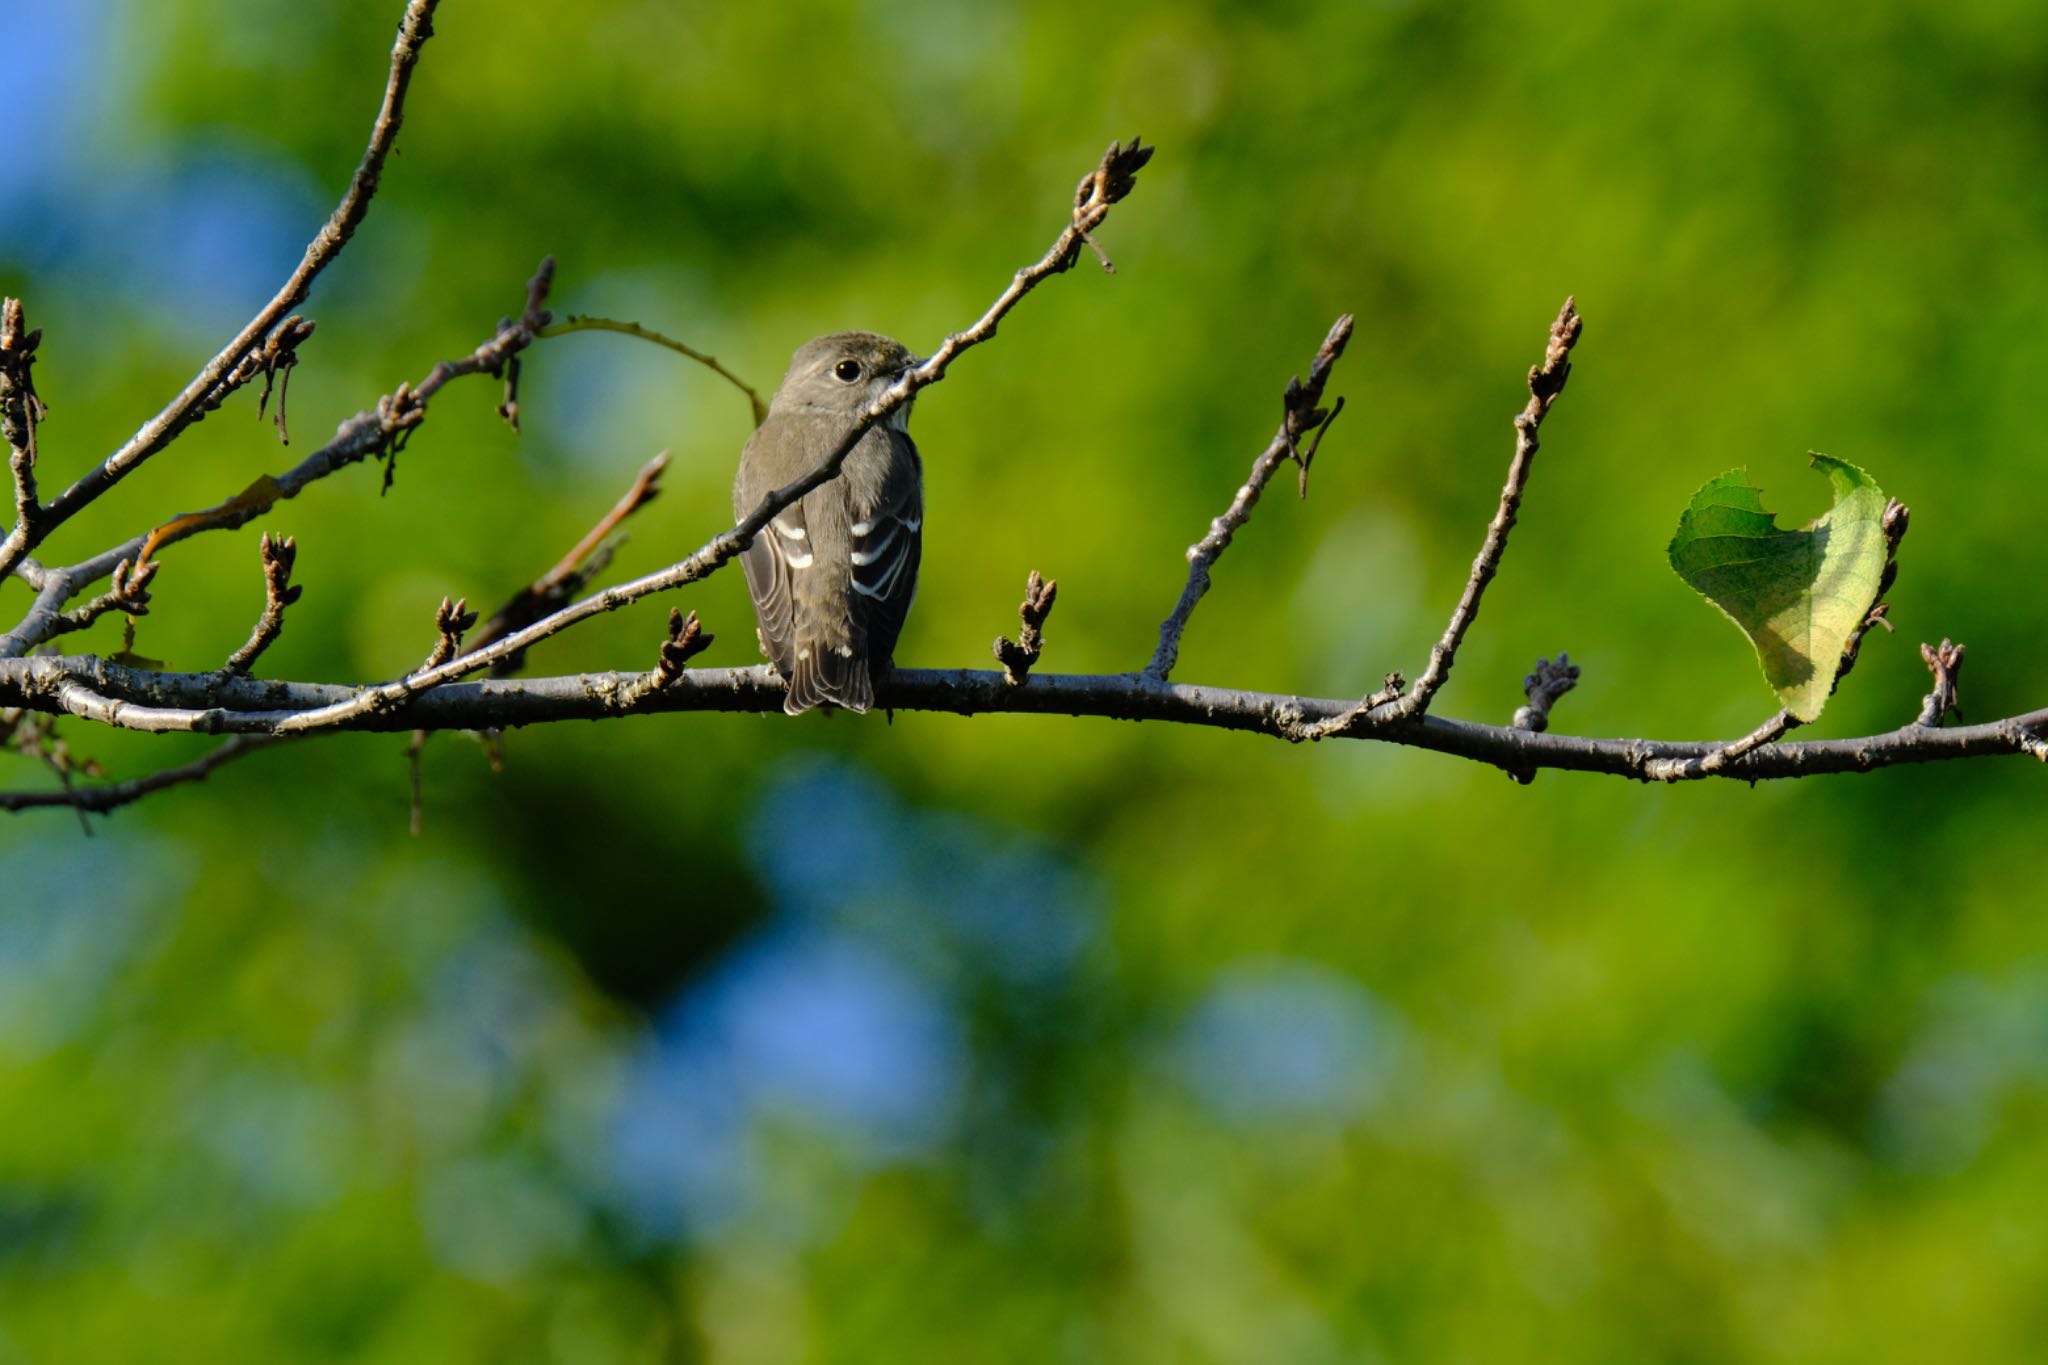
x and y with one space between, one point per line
1798 595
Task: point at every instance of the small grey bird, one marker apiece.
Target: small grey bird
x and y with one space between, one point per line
832 576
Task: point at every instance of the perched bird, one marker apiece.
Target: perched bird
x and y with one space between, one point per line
833 574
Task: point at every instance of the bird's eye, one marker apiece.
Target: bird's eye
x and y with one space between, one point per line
847 370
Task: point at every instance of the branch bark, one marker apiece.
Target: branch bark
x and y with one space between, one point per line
1299 416
1546 382
97 689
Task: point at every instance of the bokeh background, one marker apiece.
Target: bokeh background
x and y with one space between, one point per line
736 1039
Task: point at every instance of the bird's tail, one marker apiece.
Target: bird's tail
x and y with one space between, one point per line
829 676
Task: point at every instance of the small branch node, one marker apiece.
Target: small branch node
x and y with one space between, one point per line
279 592
274 360
1294 730
1945 662
686 640
1542 688
452 620
2026 741
1018 657
1706 765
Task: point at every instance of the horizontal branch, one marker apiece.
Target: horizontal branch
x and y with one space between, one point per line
100 797
113 694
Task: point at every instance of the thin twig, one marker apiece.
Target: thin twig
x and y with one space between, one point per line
279 592
21 408
226 370
1018 657
1099 191
1299 416
129 593
584 322
587 558
1546 382
369 433
1897 517
1706 765
1945 662
1294 727
107 796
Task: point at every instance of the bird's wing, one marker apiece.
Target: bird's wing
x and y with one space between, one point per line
782 550
888 536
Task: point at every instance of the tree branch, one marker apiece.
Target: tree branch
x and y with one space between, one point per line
1299 416
278 593
20 409
583 322
1546 382
226 370
128 698
109 796
380 431
585 559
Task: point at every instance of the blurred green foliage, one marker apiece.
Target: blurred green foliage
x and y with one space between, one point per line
736 1039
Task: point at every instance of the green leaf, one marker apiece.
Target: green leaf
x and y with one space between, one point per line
1797 595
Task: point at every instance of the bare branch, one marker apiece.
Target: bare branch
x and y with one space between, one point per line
1706 765
560 583
129 593
57 588
109 796
278 593
21 408
139 699
583 322
1017 658
2023 738
1896 518
1546 382
1294 726
1946 664
370 433
1299 416
587 558
227 371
